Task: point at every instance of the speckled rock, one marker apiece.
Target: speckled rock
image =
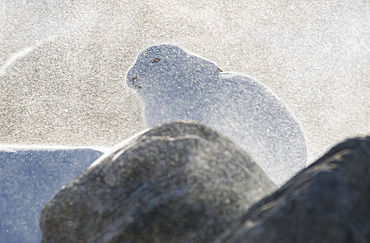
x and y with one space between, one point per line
327 202
179 182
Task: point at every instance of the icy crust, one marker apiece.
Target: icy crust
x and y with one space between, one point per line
29 177
178 85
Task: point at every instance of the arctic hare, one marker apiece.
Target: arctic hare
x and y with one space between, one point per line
178 85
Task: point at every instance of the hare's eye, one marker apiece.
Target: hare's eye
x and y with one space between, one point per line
156 60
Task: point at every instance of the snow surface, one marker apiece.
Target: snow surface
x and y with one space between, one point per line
178 85
29 177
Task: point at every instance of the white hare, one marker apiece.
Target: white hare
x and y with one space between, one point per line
178 85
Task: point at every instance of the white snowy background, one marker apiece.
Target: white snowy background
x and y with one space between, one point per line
63 66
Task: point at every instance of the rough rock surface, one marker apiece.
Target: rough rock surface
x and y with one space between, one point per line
178 85
180 182
327 202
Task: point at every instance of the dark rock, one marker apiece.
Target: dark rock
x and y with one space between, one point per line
28 178
180 182
327 202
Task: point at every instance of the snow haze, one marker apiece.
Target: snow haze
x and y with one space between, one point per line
63 66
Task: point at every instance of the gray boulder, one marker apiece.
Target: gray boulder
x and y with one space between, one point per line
179 182
327 202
